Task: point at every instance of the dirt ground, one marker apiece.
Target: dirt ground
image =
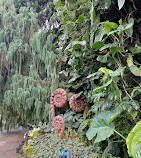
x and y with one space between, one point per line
8 144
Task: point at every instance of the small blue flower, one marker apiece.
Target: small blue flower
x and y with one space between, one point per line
64 153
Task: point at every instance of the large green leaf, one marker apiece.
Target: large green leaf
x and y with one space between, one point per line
103 58
115 49
108 46
98 45
101 126
121 3
80 19
105 70
133 68
124 27
129 31
75 44
99 34
118 71
135 50
83 125
109 25
58 4
134 141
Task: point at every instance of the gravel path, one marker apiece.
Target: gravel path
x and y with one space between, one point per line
8 144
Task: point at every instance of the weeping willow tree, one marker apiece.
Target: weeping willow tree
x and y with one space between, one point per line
27 55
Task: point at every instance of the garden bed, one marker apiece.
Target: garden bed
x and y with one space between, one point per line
49 145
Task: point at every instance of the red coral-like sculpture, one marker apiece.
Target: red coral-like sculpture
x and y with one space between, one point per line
59 99
59 124
79 104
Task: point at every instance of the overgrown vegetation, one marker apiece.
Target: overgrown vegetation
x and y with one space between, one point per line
85 46
29 66
44 144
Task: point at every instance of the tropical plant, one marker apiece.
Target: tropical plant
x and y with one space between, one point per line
85 46
134 142
102 56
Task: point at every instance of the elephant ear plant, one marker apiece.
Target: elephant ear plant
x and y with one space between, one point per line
133 141
102 127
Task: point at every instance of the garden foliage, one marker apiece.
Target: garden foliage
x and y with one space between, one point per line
86 46
29 66
102 49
